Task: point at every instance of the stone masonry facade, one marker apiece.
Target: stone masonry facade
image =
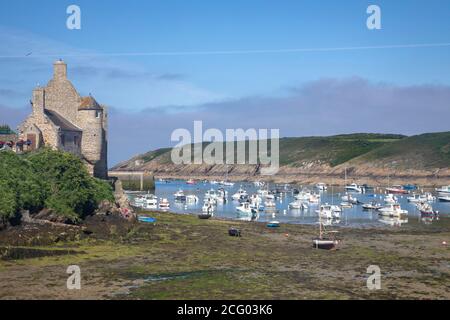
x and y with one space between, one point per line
64 120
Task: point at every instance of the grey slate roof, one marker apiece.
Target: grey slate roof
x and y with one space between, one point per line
60 121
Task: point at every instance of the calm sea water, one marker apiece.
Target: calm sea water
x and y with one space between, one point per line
355 216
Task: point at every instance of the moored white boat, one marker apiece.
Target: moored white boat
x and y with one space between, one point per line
321 186
180 196
392 210
241 192
269 203
245 208
443 191
426 197
426 209
371 206
396 190
191 198
444 198
349 199
328 211
390 199
164 204
354 188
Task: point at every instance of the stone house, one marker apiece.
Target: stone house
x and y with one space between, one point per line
64 120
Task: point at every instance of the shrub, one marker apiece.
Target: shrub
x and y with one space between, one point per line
52 179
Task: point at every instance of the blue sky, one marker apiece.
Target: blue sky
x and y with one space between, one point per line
154 94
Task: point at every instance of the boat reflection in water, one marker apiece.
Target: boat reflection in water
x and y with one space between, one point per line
393 221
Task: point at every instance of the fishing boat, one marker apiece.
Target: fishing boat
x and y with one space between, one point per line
180 196
245 208
349 199
426 197
269 204
314 198
346 205
392 210
190 181
354 188
443 191
444 198
426 209
321 186
146 201
371 206
390 199
150 202
298 204
329 211
241 192
227 183
211 194
396 190
208 207
164 204
190 198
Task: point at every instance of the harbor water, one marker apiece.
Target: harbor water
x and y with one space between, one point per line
354 217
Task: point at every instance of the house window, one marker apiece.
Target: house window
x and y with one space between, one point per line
63 140
98 114
76 141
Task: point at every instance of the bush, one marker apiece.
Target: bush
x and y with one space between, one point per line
52 179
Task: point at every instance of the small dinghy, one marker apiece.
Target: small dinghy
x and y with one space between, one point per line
326 239
325 243
273 224
371 206
146 219
205 216
233 232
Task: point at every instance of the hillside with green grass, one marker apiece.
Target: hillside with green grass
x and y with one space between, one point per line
332 150
427 151
366 157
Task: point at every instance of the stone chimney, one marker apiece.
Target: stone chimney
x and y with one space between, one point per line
38 101
59 70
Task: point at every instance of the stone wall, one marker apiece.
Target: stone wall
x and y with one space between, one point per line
60 95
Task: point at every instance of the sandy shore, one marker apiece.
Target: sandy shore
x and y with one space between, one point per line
183 257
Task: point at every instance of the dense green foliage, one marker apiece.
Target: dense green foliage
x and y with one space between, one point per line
49 179
5 129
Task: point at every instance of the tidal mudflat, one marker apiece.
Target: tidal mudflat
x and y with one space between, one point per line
183 257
